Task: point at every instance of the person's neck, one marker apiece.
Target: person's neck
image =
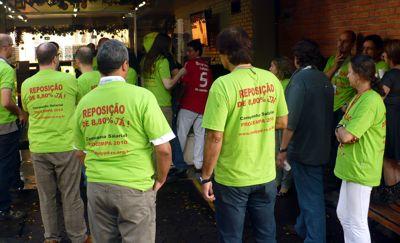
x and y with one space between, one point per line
3 56
86 68
363 87
116 73
46 67
232 67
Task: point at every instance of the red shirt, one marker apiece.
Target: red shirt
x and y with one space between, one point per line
197 82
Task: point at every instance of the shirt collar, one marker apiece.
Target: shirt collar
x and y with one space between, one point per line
109 79
4 60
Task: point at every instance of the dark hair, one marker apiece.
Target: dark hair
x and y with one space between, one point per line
307 53
111 55
236 44
92 47
364 66
352 35
101 42
284 67
45 53
376 39
56 44
85 55
160 48
392 49
196 45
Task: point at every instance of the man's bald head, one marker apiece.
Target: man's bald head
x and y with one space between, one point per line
5 40
85 55
45 53
101 42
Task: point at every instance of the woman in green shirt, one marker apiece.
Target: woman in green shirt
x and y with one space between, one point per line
361 134
283 69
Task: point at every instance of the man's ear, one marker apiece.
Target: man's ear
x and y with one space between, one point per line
125 66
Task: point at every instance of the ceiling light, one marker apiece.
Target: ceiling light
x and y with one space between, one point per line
10 16
1 3
75 15
20 17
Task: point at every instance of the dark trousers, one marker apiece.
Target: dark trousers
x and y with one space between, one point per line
333 183
9 161
231 204
310 224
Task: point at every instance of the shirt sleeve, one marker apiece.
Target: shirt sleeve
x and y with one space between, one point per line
7 79
329 64
79 140
163 69
216 111
295 100
281 109
362 118
24 97
387 80
155 124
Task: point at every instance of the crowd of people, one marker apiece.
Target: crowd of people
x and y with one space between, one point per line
255 133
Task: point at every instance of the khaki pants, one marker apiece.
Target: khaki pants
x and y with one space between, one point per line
167 111
60 172
121 214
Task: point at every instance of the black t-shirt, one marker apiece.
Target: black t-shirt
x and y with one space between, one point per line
391 79
309 97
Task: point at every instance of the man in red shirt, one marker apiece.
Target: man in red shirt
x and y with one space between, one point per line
197 79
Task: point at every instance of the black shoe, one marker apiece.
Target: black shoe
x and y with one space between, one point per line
12 215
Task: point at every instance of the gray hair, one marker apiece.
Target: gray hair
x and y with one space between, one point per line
5 40
111 55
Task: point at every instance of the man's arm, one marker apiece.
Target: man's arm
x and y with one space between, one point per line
8 103
345 137
281 122
286 138
164 159
212 149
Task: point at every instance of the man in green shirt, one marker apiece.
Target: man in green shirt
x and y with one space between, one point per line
336 69
9 132
99 44
119 126
244 108
89 79
50 98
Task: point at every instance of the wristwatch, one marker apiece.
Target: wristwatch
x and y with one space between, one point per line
281 150
204 181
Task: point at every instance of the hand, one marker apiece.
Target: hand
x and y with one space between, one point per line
339 59
23 118
80 155
281 159
157 185
208 192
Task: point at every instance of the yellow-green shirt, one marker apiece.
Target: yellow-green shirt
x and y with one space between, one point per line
381 68
50 98
344 92
244 105
7 81
361 162
154 83
88 81
131 77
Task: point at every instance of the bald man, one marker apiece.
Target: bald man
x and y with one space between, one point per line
50 98
10 113
89 78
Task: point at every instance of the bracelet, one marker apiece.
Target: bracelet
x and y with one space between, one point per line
281 150
204 181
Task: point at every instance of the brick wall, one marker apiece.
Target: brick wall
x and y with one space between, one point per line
323 20
221 8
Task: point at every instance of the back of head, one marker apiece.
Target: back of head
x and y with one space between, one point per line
236 44
110 57
101 42
85 55
5 40
160 48
196 45
45 53
92 47
56 44
364 66
392 50
307 53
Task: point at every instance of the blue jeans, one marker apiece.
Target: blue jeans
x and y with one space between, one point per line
310 224
9 161
231 204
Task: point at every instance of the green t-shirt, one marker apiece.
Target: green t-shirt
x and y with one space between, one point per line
153 82
7 81
285 83
117 132
87 82
50 98
381 68
344 92
244 105
362 161
131 77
